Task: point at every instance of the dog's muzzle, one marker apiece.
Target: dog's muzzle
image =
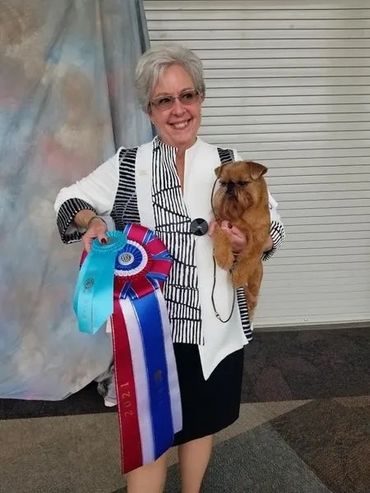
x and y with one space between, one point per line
230 188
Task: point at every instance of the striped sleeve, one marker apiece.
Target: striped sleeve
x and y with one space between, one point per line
277 231
244 315
95 192
277 234
67 229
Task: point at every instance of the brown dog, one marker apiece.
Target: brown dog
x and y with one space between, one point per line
242 200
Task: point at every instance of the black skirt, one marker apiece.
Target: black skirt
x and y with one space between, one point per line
210 405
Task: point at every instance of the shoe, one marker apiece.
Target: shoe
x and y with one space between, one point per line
110 403
110 398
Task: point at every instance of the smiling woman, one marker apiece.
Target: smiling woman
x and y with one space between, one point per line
166 185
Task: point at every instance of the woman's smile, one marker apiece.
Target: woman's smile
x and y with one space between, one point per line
180 125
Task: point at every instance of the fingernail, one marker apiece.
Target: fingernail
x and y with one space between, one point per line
103 240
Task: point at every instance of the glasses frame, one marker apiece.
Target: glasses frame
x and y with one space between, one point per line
171 99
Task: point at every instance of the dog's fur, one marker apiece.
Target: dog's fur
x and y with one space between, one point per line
242 200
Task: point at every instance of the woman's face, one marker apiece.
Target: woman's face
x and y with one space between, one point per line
177 125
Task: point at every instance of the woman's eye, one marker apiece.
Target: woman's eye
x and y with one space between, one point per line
187 96
163 101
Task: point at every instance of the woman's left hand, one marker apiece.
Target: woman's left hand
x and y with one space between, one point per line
237 239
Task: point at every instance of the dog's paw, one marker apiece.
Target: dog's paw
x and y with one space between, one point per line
222 249
224 258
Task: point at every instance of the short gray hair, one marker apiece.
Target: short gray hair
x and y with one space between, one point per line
155 60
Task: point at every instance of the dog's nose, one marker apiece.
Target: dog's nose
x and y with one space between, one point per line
230 188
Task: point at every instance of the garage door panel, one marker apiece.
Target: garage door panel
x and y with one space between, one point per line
279 109
240 13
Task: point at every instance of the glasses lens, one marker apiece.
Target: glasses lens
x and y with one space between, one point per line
188 97
164 102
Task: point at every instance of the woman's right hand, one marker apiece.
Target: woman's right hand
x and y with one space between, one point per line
97 229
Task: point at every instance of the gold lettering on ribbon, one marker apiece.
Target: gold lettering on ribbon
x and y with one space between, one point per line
126 399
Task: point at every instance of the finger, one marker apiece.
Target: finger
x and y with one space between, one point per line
86 244
226 225
87 239
237 233
211 228
235 230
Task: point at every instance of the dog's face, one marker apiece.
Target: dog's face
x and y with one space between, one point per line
242 186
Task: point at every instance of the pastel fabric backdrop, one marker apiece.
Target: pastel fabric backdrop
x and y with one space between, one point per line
66 103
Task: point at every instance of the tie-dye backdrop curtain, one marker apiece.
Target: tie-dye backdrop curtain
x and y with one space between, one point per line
66 102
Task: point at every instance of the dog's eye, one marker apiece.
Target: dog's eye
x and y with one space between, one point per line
242 183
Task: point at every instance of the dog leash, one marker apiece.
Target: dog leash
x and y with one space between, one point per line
218 316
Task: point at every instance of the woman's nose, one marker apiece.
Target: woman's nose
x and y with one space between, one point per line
178 107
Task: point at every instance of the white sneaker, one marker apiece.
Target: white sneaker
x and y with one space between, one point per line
110 399
109 403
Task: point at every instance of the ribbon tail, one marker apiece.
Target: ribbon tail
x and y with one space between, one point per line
93 297
126 374
150 321
173 381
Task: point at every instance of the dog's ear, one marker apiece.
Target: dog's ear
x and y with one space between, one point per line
256 170
218 171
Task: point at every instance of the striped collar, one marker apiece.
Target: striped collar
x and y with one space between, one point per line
159 144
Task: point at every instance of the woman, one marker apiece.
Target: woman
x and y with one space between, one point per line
166 185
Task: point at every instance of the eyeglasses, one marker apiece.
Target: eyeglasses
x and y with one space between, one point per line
166 102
